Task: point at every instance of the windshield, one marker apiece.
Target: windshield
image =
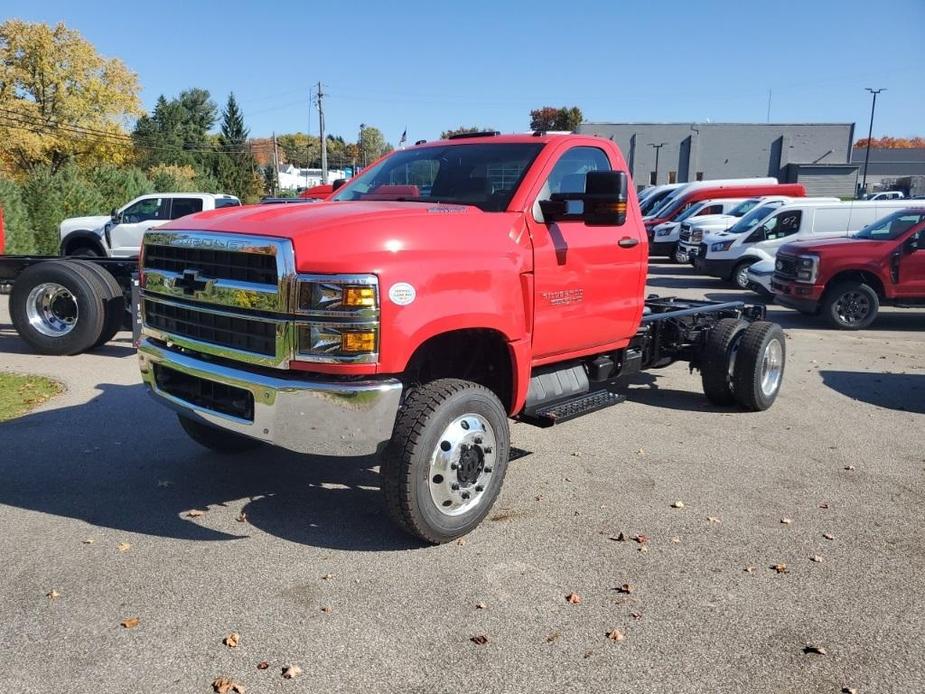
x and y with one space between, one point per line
483 175
748 222
655 200
691 211
891 226
743 207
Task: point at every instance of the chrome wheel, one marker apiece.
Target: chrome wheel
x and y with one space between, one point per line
461 465
51 309
741 277
772 367
852 307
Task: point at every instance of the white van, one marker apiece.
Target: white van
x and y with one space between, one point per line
691 234
729 254
650 198
664 239
685 188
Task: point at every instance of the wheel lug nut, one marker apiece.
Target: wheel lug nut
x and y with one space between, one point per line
453 466
487 449
465 495
479 488
487 469
478 439
454 487
445 445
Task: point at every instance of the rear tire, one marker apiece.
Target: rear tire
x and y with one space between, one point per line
217 440
759 366
113 301
715 371
444 467
850 305
57 307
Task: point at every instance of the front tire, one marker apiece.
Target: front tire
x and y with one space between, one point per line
444 467
217 440
740 274
850 305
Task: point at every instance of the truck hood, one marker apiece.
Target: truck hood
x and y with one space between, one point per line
840 246
358 236
713 219
92 223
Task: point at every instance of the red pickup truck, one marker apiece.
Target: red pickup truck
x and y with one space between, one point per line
847 280
449 287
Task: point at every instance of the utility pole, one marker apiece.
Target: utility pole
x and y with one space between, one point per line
275 166
870 134
324 145
657 150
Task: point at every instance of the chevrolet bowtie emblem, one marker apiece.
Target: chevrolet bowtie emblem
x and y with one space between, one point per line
190 282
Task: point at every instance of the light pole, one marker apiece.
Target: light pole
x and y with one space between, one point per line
657 150
870 134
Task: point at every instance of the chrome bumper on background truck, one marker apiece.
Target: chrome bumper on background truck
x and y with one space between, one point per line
324 417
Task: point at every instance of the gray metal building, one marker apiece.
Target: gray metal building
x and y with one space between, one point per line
815 154
892 169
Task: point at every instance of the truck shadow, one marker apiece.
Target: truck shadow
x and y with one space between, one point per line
904 392
121 462
644 389
11 343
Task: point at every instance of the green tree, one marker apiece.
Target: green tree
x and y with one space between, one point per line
462 130
177 130
550 118
371 145
235 167
117 185
19 238
299 149
51 196
60 100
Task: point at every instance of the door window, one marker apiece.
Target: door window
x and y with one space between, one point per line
783 224
185 206
144 210
568 175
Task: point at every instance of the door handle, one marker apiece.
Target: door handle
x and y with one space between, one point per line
627 242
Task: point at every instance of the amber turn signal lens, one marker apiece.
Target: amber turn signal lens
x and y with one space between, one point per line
359 296
357 342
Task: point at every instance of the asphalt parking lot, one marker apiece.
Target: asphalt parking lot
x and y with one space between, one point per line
296 555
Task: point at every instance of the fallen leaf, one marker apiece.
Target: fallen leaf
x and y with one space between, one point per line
749 569
641 451
576 454
480 606
52 595
124 546
326 610
263 665
130 622
786 521
816 558
573 599
849 467
828 536
643 548
538 498
713 519
615 635
194 513
823 505
242 517
588 654
232 639
88 541
552 637
809 648
849 690
626 588
618 538
479 640
781 568
291 671
327 577
635 615
678 504
164 483
641 539
223 685
676 539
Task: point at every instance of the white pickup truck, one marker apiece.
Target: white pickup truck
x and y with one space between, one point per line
118 235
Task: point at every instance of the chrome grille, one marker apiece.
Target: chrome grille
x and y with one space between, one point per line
259 268
785 266
246 334
685 231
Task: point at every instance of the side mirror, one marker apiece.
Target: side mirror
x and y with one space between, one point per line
603 202
115 216
914 243
338 182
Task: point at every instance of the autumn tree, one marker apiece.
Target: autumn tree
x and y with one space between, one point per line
60 100
891 143
299 149
371 145
550 118
462 130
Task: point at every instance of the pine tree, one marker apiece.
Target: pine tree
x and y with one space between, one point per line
235 165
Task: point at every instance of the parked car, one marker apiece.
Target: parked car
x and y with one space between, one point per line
728 255
664 239
759 278
847 280
118 235
378 324
886 195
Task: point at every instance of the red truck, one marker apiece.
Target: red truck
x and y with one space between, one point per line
846 280
449 287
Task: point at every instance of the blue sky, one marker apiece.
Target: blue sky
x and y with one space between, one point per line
431 66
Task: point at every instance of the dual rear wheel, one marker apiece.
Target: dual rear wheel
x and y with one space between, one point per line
743 363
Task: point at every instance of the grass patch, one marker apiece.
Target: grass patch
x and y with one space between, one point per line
20 393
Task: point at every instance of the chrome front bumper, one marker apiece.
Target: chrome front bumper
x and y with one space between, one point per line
324 417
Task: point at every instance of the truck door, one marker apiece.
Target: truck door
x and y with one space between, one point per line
777 229
587 286
911 258
125 236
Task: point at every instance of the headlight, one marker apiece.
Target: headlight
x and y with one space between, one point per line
697 236
723 246
347 325
662 232
807 268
